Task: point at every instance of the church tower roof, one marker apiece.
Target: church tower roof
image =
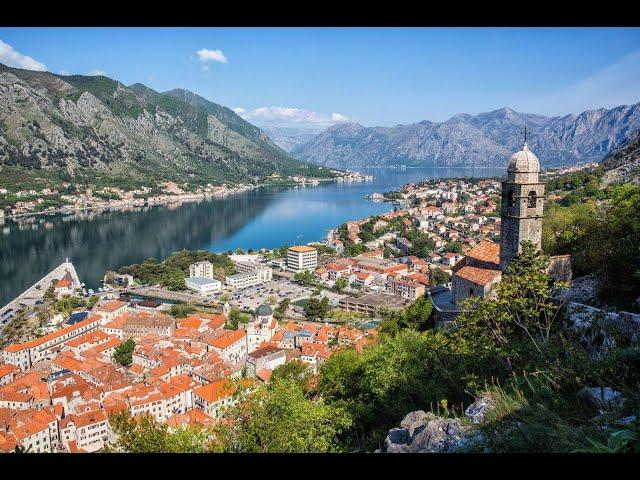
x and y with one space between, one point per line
524 161
523 166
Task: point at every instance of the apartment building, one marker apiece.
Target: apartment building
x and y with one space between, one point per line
301 258
24 355
201 269
249 274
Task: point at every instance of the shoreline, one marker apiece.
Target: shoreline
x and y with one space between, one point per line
121 204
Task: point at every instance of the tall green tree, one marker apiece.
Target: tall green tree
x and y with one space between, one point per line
123 352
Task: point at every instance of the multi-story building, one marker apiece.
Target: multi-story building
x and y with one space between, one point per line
249 274
231 346
24 355
369 304
405 288
141 324
267 357
201 269
301 258
214 397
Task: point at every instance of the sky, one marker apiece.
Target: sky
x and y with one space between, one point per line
316 77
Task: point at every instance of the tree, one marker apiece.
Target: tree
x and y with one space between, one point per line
304 278
92 301
295 370
146 435
234 319
282 307
278 417
521 316
317 309
454 247
49 293
418 314
341 284
181 310
66 305
124 351
438 277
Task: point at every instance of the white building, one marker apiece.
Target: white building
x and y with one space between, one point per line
249 274
261 328
301 258
231 346
201 269
203 285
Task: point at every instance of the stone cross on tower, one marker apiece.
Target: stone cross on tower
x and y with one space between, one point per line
522 205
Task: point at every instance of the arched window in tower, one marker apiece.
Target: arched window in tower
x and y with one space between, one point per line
533 199
510 198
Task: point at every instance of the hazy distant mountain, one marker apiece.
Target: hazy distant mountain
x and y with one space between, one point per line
486 139
93 126
287 138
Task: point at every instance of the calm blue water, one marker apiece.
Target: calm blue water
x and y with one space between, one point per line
267 217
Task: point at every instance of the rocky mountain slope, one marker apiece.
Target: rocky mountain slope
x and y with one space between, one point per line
96 126
623 163
486 139
289 138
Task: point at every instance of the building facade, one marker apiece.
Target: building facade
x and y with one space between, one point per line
201 269
301 258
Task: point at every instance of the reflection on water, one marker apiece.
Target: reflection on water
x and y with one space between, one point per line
267 217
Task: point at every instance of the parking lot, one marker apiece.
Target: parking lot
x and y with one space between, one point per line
252 297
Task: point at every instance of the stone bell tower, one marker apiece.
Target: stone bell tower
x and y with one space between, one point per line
522 205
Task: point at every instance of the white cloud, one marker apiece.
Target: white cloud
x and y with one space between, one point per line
207 56
96 71
64 72
283 116
616 84
13 58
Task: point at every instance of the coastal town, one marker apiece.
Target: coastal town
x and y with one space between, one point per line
184 353
69 198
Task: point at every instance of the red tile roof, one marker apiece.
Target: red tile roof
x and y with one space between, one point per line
479 276
485 251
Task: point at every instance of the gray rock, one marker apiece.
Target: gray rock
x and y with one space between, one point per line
602 397
415 422
438 436
397 435
396 448
419 416
477 411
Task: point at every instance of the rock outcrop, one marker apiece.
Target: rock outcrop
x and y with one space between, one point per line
424 432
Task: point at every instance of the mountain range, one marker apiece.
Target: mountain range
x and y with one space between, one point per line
287 138
94 126
483 140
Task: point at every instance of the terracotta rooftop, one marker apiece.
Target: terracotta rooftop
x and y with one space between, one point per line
228 338
214 391
479 276
301 249
485 251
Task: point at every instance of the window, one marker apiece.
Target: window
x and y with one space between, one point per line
533 199
510 198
